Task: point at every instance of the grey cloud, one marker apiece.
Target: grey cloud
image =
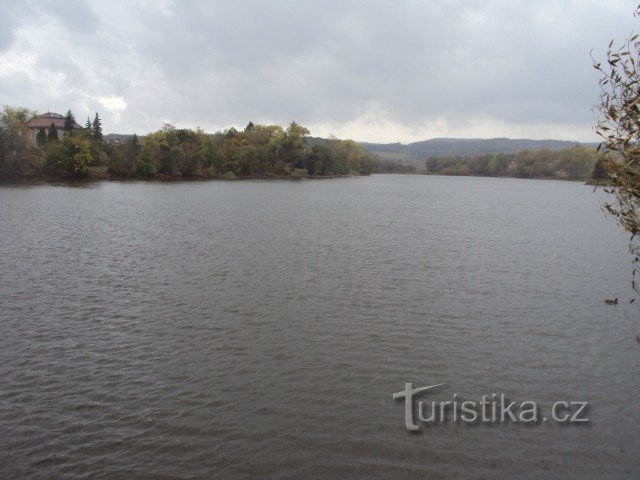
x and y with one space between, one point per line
74 15
8 23
218 63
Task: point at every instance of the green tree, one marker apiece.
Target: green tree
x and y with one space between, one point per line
479 165
193 163
353 158
4 153
323 161
259 137
290 147
256 150
431 164
499 164
97 128
543 163
600 171
87 125
52 136
230 154
171 160
577 162
17 155
69 122
153 145
41 137
119 165
132 152
212 156
124 158
70 157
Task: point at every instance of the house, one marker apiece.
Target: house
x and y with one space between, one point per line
45 121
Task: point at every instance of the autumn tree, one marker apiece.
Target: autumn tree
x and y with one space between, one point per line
619 129
70 158
17 155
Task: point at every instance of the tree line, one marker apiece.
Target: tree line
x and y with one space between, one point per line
256 151
393 166
575 163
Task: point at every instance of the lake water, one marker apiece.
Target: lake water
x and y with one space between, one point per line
258 329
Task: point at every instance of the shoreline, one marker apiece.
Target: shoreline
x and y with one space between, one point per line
44 179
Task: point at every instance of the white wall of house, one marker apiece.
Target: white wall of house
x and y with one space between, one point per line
33 132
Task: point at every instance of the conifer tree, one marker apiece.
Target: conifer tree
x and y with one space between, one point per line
52 136
88 124
97 128
69 121
41 137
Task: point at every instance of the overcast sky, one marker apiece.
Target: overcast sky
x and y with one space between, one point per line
369 70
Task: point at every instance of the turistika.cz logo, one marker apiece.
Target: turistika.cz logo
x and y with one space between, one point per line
492 408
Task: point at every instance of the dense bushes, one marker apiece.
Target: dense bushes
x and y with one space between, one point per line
71 157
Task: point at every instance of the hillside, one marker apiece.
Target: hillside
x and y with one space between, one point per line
449 147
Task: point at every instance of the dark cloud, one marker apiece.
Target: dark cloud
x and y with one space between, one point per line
406 69
74 16
8 23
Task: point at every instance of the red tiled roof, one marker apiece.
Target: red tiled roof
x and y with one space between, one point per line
47 119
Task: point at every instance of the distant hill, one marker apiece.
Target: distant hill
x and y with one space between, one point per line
418 152
447 147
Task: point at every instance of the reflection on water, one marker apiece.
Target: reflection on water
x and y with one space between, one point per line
259 329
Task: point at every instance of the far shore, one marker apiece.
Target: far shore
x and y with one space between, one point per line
160 178
38 179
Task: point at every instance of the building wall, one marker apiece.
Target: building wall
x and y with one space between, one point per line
33 132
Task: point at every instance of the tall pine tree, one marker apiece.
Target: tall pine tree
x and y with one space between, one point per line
69 122
97 128
88 125
41 137
52 136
